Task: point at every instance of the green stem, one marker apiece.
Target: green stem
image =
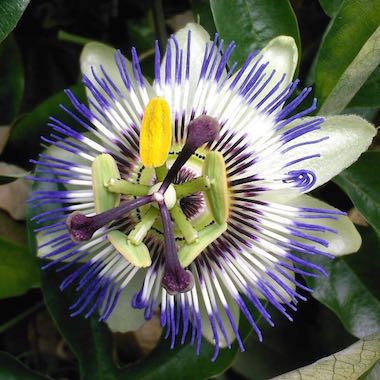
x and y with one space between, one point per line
193 186
121 186
137 235
69 37
159 23
187 230
20 317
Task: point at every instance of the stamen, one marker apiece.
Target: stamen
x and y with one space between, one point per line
201 130
82 227
156 133
187 230
175 279
193 186
121 186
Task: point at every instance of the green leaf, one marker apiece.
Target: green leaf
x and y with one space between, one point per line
10 13
344 292
253 23
369 94
348 364
354 76
202 13
349 30
330 7
182 361
24 140
362 184
18 269
11 79
13 369
89 339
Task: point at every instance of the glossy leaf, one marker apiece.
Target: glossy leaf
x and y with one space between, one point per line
18 269
253 23
24 141
89 339
330 6
202 13
362 185
347 296
349 30
358 71
348 364
11 79
13 369
369 94
10 13
182 361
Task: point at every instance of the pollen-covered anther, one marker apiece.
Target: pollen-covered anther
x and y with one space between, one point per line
156 133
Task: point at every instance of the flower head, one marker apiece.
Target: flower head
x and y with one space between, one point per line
192 189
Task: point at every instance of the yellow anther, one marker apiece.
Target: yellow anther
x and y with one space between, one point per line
156 133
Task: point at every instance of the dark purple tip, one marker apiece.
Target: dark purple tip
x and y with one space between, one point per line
178 281
202 130
81 227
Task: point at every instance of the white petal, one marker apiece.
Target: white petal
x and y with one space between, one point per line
95 54
199 38
207 331
281 53
124 317
347 240
349 136
290 284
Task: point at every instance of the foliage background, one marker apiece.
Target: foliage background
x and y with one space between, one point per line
41 43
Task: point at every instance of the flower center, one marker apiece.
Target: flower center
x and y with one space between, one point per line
169 197
164 198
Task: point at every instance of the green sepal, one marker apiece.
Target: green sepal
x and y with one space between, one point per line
189 252
137 255
104 168
217 196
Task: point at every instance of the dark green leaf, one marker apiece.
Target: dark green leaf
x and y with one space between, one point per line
10 13
183 363
202 12
24 140
362 184
89 339
330 6
13 369
11 79
354 23
346 291
252 23
369 94
18 269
